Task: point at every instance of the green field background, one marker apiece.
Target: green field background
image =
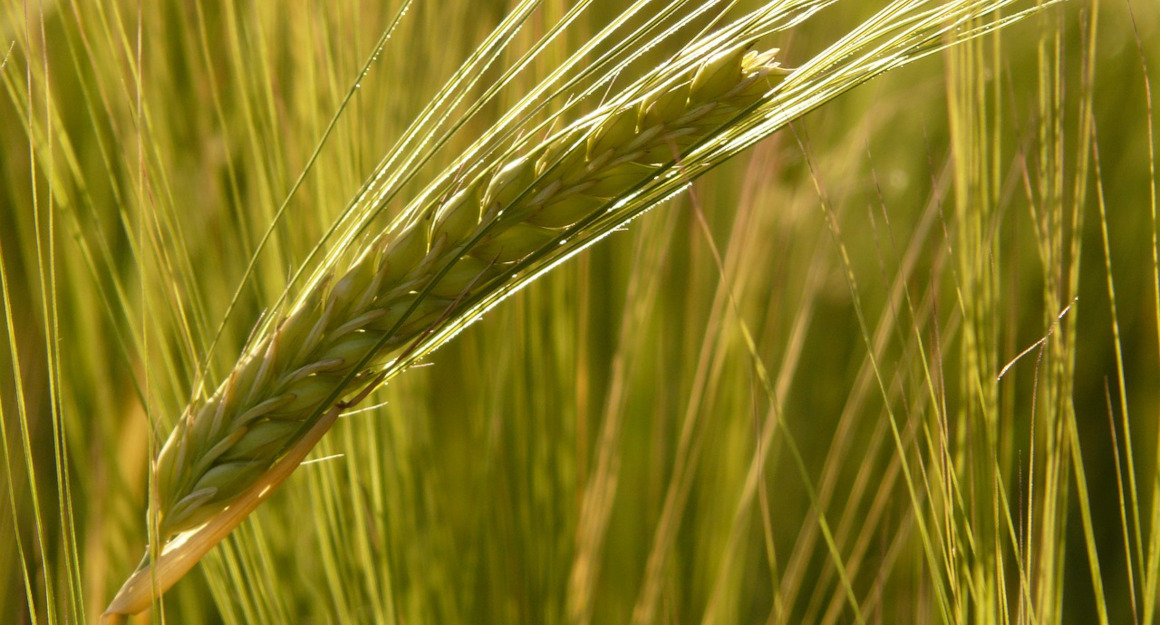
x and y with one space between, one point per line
897 363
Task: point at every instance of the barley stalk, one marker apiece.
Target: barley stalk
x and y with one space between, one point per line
336 341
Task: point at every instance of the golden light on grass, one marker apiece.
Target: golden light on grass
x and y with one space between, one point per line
816 371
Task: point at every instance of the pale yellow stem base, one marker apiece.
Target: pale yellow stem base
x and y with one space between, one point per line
180 554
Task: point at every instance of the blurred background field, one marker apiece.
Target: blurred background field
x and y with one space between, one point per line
774 399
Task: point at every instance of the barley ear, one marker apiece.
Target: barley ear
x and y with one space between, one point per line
228 451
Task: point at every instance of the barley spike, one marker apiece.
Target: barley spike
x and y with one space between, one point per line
346 330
